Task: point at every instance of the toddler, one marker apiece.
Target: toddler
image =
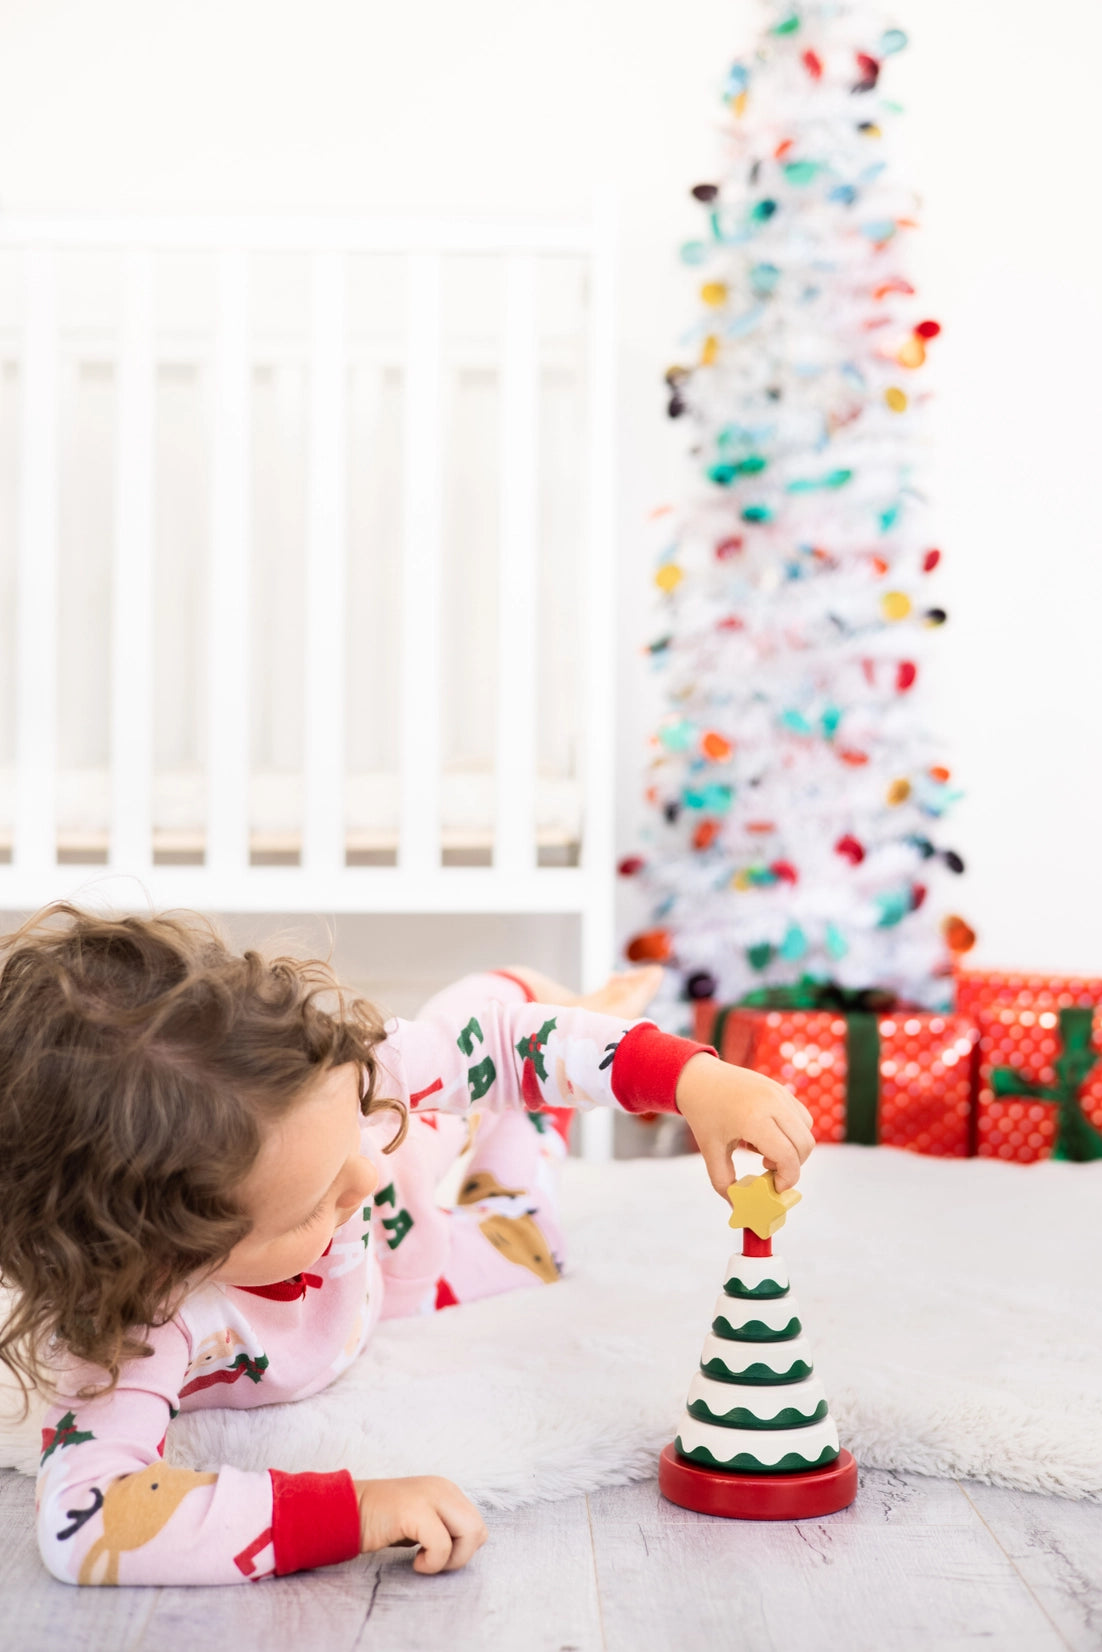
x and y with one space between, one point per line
218 1173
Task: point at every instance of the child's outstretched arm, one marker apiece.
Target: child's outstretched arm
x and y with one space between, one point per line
542 1055
515 1056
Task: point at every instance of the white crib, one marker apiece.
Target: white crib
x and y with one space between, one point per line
306 588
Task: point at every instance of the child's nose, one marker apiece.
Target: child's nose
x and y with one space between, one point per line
361 1186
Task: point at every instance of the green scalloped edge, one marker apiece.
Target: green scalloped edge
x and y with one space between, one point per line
754 1331
744 1463
758 1375
767 1290
740 1417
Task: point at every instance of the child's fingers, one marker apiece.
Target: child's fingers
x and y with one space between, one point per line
464 1545
435 1540
781 1155
463 1531
796 1125
772 1143
467 1528
801 1136
720 1170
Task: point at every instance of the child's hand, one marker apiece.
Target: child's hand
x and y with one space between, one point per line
420 1509
727 1107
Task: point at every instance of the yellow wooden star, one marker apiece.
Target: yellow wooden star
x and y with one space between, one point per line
756 1204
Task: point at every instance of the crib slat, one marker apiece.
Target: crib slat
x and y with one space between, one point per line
419 843
228 577
597 622
515 835
34 849
132 594
597 618
323 760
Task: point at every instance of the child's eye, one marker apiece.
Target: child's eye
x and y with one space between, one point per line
312 1218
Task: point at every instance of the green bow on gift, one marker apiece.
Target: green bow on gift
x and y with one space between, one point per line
1076 1137
808 993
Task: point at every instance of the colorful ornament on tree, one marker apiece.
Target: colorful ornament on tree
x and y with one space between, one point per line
895 605
714 745
651 947
959 937
701 985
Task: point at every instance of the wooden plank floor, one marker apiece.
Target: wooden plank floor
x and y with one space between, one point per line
916 1563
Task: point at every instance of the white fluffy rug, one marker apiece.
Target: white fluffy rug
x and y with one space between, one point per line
953 1308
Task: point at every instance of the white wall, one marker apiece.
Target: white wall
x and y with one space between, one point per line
506 104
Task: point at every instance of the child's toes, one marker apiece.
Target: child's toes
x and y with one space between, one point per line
627 994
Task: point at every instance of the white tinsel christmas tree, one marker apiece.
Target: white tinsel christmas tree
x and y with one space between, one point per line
797 798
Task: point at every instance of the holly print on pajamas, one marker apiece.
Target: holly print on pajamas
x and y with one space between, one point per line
66 1433
508 1056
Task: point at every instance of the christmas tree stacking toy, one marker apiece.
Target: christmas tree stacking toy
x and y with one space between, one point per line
757 1440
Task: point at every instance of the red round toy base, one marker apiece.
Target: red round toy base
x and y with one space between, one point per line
758 1496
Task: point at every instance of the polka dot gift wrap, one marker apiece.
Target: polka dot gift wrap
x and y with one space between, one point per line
1039 1034
901 1079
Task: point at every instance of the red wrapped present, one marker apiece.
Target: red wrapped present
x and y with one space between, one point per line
1039 1090
901 1078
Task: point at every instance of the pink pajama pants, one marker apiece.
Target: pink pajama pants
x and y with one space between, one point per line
503 1233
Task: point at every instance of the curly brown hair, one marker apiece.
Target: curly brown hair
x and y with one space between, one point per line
141 1062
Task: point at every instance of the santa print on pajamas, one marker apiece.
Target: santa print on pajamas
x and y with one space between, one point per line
482 1064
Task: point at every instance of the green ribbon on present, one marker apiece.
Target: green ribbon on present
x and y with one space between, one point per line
1076 1137
862 1078
861 1009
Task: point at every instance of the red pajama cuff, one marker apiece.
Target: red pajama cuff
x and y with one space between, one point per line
647 1066
315 1520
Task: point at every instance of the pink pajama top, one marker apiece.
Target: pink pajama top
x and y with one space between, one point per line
110 1510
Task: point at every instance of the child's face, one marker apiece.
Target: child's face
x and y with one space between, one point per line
308 1179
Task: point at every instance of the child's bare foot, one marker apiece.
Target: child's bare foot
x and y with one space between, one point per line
626 994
